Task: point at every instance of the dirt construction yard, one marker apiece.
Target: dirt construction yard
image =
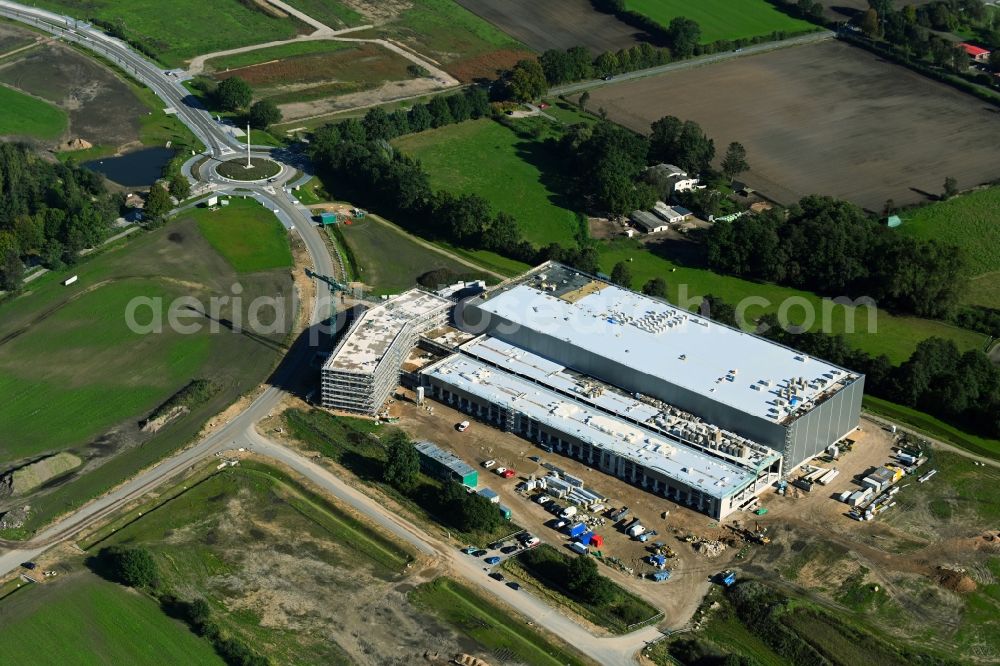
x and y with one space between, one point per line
827 119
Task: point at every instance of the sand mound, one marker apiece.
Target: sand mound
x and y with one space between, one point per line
956 581
76 144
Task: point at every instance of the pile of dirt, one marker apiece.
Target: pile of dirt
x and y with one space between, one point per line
13 519
75 144
468 660
25 479
710 548
956 581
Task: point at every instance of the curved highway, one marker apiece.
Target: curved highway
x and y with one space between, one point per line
240 431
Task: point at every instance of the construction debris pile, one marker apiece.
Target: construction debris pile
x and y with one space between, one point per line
710 548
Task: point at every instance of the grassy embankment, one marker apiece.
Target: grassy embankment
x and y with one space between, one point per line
493 628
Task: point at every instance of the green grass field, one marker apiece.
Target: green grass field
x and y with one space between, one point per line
895 336
181 29
389 259
27 116
483 157
246 234
90 380
86 620
71 370
258 56
968 220
722 19
489 626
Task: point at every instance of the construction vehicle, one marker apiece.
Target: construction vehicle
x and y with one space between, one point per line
756 535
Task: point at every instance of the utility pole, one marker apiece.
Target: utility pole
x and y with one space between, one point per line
248 144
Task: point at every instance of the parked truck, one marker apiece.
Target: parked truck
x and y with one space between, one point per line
579 548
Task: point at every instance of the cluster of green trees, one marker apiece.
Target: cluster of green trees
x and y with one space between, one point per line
379 125
136 567
466 511
605 162
48 210
235 95
579 578
576 63
912 30
682 143
832 247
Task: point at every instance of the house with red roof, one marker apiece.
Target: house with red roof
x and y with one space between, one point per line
977 53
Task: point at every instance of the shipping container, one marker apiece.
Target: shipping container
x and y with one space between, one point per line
585 538
635 530
597 541
576 530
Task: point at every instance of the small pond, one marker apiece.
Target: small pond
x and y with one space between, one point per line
140 168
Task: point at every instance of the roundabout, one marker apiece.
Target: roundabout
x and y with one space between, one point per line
261 168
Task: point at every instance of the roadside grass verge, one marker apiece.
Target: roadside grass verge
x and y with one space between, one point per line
544 568
895 336
933 427
488 625
83 619
722 19
248 235
513 173
27 116
354 444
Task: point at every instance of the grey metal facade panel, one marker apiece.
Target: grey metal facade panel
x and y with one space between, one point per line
827 423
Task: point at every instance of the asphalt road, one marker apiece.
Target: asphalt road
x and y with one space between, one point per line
572 88
240 431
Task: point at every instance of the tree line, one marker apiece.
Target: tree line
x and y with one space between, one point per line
833 248
49 211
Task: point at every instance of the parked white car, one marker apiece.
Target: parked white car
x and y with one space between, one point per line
463 426
500 470
489 463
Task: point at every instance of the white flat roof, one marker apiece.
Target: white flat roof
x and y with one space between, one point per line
662 418
710 475
373 333
652 337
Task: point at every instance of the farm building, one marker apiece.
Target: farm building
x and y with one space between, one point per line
648 222
671 214
441 464
365 366
977 53
738 382
677 177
